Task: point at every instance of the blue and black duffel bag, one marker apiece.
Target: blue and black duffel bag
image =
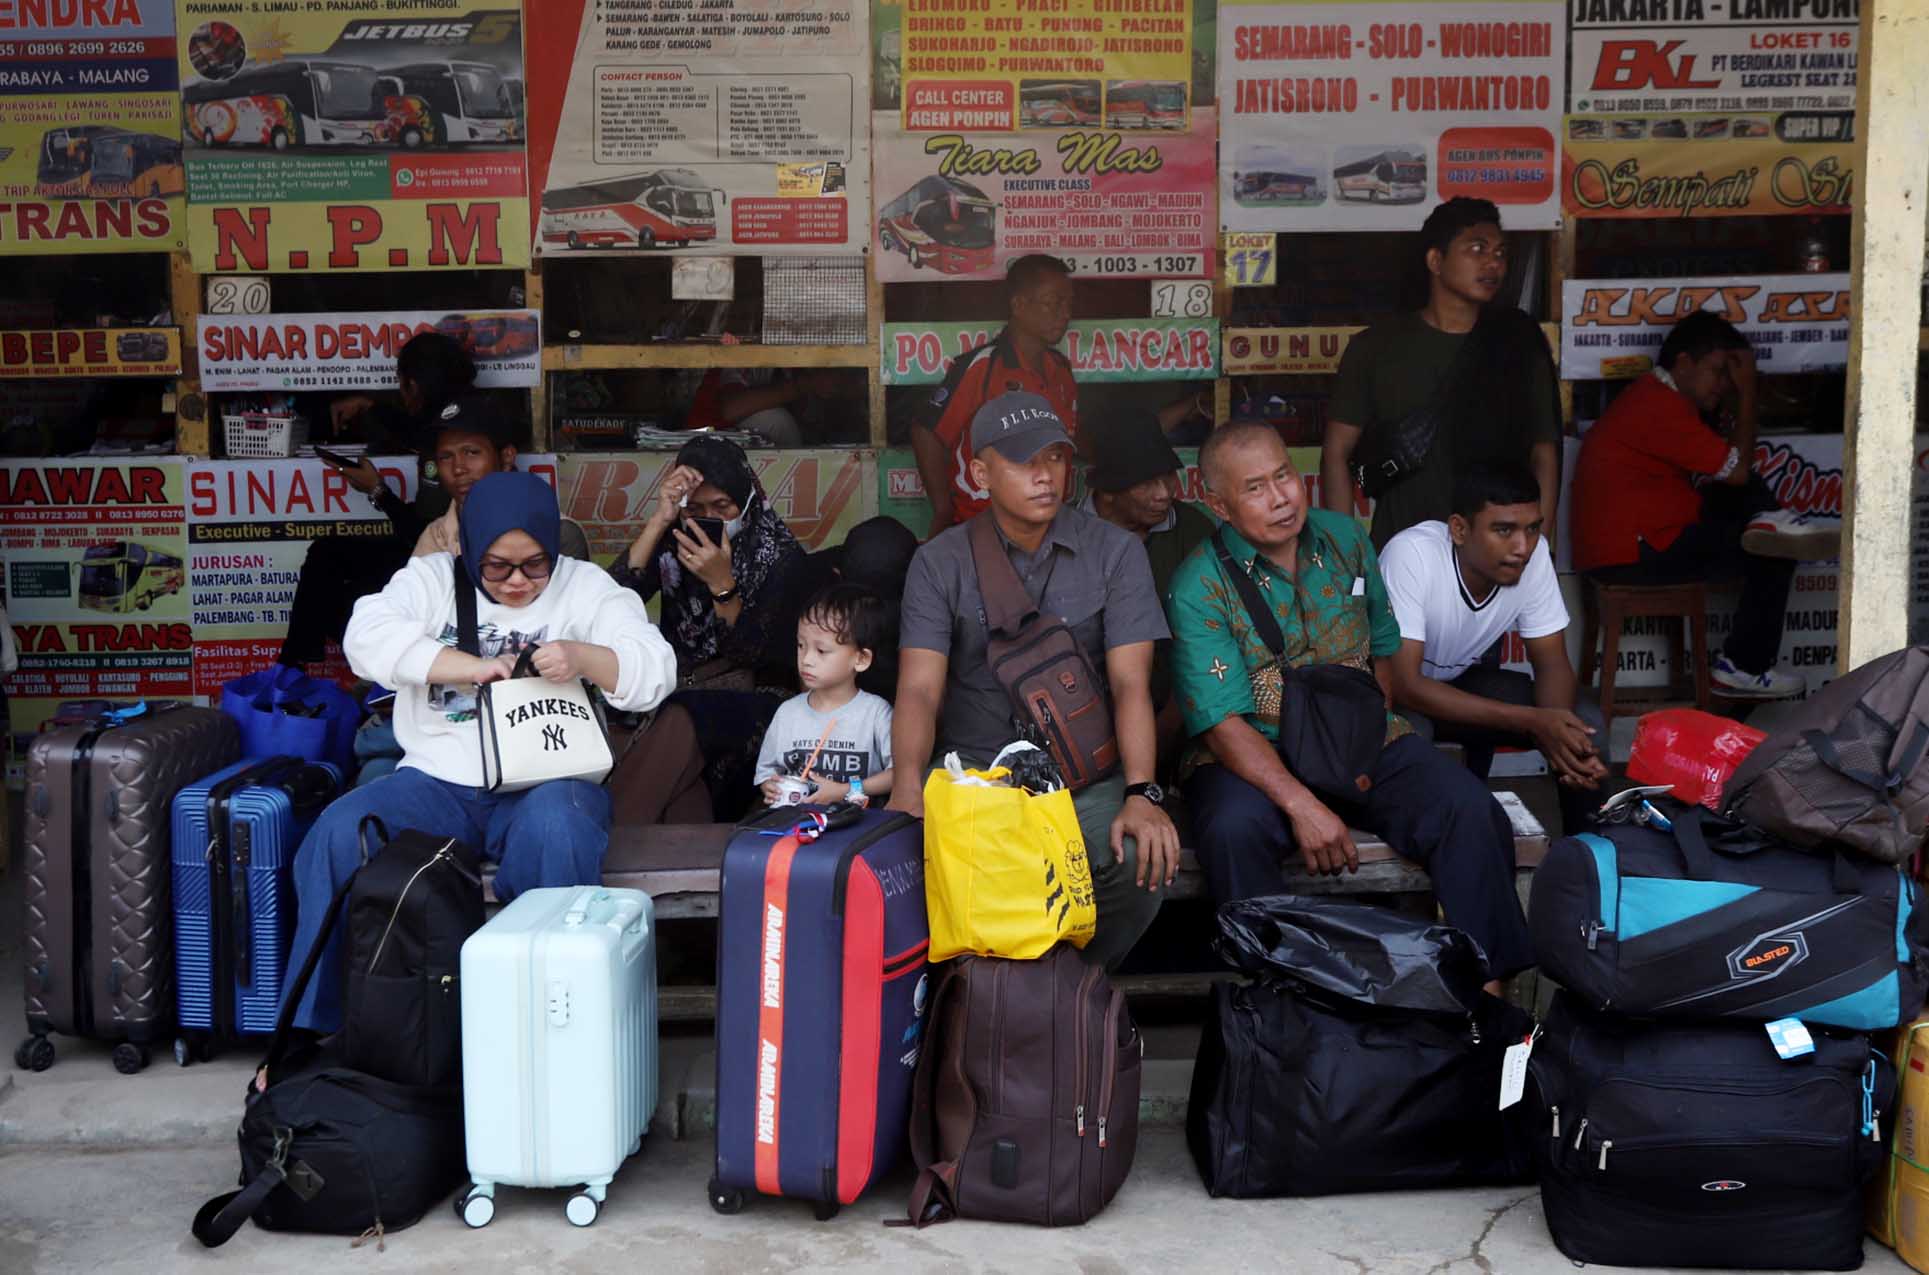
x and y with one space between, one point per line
1693 916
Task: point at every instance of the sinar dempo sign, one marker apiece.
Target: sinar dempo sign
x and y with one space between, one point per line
1099 349
1612 328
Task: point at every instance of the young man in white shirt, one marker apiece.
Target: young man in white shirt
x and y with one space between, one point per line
1457 588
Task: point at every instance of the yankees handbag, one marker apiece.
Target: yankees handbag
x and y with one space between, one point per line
533 730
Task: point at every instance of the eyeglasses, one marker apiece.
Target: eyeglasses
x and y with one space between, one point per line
495 570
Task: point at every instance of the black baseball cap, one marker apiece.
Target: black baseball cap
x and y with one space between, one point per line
472 413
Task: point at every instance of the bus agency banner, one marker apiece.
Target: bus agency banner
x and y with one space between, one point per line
1613 328
1363 116
736 125
1004 128
1724 164
90 152
321 141
1098 349
357 351
95 554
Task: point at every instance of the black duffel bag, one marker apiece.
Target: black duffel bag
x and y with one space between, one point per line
332 1150
1366 1057
1696 1144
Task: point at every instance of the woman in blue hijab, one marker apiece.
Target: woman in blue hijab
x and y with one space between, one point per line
581 624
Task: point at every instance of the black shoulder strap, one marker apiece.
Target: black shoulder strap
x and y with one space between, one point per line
1263 621
465 611
1008 608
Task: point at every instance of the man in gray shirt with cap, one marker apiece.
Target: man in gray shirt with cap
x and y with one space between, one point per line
1095 577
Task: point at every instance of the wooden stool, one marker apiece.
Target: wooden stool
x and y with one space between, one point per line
1603 609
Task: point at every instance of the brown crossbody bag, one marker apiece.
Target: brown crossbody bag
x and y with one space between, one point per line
1058 698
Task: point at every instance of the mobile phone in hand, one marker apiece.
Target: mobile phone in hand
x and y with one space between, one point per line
711 527
335 458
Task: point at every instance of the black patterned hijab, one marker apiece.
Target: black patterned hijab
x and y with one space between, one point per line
760 556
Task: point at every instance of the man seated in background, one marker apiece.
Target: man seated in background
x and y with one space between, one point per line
1135 484
1660 497
1458 588
1318 574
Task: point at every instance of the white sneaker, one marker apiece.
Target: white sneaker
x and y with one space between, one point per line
1780 533
1774 684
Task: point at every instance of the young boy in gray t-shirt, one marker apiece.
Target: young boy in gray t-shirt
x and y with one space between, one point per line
833 735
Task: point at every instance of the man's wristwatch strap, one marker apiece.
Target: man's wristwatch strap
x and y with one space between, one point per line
1152 792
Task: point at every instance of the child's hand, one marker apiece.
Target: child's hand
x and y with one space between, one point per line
769 790
829 791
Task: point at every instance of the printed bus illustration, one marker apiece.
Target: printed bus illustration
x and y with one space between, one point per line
307 102
1390 177
492 336
1274 187
471 101
671 206
1058 104
125 575
1145 104
943 223
92 160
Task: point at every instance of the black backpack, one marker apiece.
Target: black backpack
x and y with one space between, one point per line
410 908
329 1149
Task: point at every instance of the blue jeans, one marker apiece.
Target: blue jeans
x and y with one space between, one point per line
550 835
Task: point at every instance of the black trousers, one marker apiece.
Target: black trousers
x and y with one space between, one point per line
1431 810
1711 550
1511 686
337 571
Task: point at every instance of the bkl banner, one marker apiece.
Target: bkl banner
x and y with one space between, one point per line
321 139
90 150
1098 349
820 495
1005 128
1614 327
1631 60
357 351
95 557
1750 164
46 352
1364 115
727 124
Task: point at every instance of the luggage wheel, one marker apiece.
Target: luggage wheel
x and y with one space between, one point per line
36 1053
583 1206
476 1206
725 1202
130 1058
824 1210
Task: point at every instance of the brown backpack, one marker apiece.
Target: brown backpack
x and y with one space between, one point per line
1846 771
1057 695
1025 1107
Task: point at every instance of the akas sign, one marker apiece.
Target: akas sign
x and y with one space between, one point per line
357 351
1098 349
1614 327
358 143
90 151
1363 116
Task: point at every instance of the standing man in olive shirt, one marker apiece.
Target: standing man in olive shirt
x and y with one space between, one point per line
1482 371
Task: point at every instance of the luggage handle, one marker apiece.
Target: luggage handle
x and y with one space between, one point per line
622 916
361 835
1700 857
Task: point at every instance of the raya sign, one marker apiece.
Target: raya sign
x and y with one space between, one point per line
1363 116
90 152
319 142
739 127
1723 165
96 583
90 352
819 494
1614 327
1756 56
1099 349
357 351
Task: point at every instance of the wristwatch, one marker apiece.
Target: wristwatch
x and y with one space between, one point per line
1148 790
728 595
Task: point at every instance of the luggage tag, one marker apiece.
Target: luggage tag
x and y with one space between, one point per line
1790 1038
1631 805
1513 1069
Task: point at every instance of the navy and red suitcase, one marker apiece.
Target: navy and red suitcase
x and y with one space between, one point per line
234 836
822 945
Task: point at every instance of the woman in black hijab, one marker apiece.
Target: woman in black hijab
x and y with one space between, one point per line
728 610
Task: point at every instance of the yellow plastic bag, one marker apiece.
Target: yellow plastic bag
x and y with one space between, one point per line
1005 872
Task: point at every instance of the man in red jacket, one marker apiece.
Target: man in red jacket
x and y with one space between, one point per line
1660 497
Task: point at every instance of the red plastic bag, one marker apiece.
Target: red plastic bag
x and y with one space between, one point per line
1692 750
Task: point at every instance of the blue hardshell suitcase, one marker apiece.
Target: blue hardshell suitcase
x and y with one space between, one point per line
234 837
821 980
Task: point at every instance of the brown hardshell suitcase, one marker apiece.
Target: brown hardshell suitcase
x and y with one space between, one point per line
100 959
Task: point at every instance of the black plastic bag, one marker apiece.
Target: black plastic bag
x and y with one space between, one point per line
1365 1059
